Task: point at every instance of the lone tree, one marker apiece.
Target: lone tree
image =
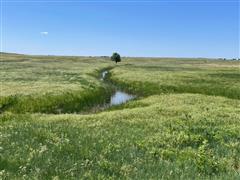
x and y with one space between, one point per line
116 57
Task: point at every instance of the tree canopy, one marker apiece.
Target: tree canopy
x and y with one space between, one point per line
116 57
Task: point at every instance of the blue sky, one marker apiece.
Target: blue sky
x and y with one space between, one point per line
132 28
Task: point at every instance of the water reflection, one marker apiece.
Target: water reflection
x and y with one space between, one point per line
120 97
104 73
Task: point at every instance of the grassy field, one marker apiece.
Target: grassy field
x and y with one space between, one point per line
185 123
50 84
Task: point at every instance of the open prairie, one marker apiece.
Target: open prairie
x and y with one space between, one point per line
183 124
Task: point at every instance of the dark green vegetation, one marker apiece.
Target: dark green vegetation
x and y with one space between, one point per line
116 57
184 125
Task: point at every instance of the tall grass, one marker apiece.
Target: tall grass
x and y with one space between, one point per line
33 84
180 136
184 125
177 76
67 102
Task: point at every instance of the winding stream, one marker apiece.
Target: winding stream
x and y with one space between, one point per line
119 96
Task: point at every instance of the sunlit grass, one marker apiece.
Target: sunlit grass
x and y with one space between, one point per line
191 136
211 77
184 124
50 84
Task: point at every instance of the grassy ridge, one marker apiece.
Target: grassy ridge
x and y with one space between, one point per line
67 102
26 75
51 84
208 77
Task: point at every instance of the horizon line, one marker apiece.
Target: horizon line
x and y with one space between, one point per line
180 57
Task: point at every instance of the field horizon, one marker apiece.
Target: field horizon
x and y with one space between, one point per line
143 57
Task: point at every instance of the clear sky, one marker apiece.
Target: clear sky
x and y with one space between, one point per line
189 28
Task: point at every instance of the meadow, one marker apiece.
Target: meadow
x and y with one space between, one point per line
184 124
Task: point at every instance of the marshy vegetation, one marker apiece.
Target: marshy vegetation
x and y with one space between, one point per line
184 124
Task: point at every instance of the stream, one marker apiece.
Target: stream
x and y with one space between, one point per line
119 96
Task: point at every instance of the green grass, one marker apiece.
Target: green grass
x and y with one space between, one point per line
50 84
184 125
154 76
